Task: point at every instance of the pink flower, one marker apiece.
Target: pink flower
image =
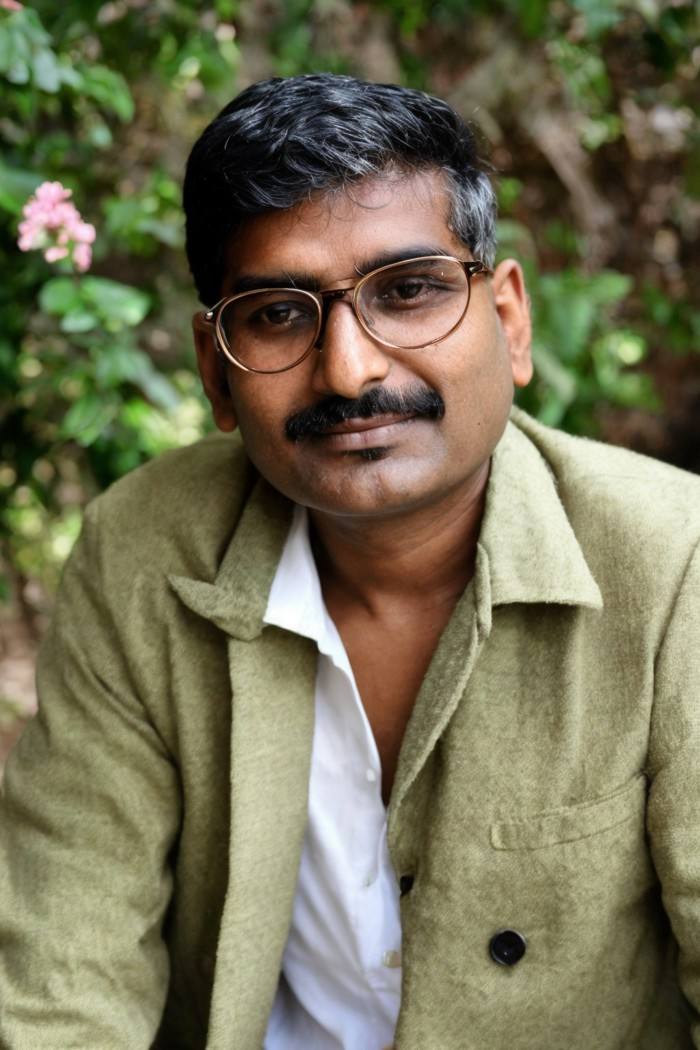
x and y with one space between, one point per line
10 5
85 232
54 225
82 257
55 253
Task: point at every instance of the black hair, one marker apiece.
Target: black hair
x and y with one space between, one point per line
282 140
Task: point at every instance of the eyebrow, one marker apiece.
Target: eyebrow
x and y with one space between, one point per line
375 262
308 282
251 282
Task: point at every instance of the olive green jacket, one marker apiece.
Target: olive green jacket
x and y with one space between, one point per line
548 783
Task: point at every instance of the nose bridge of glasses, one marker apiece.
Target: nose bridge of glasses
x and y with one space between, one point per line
339 288
332 295
340 292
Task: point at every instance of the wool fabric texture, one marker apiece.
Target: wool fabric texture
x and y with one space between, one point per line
153 813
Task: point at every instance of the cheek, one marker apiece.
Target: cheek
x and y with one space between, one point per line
263 405
479 393
260 404
263 437
478 370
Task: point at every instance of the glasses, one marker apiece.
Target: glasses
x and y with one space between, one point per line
407 305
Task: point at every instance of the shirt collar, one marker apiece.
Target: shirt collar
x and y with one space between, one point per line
527 549
295 602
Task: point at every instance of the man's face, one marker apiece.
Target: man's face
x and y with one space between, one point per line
405 462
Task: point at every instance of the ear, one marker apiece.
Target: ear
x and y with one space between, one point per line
513 309
214 372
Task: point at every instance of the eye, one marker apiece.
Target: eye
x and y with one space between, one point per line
282 314
406 288
411 290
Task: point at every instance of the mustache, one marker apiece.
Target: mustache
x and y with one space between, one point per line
417 401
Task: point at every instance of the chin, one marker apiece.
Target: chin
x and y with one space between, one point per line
375 495
372 482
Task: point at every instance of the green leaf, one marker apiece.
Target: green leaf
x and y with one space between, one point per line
16 186
109 89
27 24
513 238
46 72
99 134
116 364
87 417
599 15
533 16
157 387
566 314
86 303
135 413
624 345
79 320
60 295
15 49
609 287
18 72
166 232
6 48
552 371
69 76
115 302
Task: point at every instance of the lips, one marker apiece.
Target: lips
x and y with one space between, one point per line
377 409
357 425
357 434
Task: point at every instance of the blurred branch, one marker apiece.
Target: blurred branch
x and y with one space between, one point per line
556 137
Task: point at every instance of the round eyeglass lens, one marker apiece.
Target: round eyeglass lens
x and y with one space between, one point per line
415 303
272 330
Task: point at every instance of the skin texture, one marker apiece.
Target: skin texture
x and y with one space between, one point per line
473 369
394 537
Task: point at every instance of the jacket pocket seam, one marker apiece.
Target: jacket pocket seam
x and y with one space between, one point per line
572 823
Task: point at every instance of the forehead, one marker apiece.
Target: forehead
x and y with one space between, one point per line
335 235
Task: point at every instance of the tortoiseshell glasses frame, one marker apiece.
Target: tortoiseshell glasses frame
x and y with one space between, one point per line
295 338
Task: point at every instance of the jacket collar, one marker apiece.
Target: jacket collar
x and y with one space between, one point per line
527 549
533 554
237 599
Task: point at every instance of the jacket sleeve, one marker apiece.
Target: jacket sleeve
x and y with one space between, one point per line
673 814
88 815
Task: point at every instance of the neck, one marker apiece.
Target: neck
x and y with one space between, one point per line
424 557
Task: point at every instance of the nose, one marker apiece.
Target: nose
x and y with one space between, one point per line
349 361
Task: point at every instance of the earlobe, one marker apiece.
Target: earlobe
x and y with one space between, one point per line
213 372
513 308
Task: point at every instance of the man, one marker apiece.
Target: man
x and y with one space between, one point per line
382 726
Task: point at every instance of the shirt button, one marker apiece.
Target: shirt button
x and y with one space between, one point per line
391 959
369 880
371 776
406 884
507 947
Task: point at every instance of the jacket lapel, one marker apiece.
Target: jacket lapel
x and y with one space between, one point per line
527 553
272 680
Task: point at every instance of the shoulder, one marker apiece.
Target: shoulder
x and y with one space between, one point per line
638 517
603 476
176 513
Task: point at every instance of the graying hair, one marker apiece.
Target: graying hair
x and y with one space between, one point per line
282 141
472 215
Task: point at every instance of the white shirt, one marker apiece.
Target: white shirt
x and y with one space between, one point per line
341 970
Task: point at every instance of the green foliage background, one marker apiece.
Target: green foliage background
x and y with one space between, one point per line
588 109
